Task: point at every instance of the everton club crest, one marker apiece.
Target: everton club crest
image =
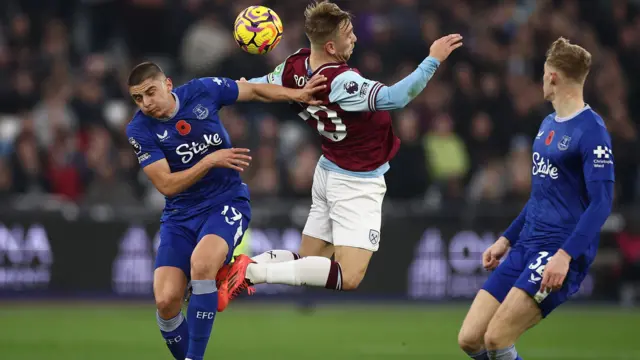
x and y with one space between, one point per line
563 144
201 112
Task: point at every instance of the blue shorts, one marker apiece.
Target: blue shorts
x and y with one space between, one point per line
523 269
179 239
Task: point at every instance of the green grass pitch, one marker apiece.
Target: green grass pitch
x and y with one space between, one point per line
337 332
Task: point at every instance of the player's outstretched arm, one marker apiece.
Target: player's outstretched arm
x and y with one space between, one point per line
172 183
404 91
271 93
355 93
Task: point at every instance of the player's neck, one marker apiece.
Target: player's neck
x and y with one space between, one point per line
172 108
320 58
568 103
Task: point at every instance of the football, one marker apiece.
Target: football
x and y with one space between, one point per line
257 30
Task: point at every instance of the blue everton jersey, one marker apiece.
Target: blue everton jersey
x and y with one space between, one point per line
193 132
568 153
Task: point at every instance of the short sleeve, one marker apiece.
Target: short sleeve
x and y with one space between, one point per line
352 92
275 77
145 148
597 155
224 91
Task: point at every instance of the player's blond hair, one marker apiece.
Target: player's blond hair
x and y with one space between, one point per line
572 60
322 21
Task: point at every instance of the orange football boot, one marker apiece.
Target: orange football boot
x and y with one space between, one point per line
222 273
234 281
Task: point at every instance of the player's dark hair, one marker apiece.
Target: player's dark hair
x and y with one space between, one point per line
322 21
572 60
142 72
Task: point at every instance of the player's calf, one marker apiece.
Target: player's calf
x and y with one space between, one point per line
474 326
207 258
168 286
517 313
354 263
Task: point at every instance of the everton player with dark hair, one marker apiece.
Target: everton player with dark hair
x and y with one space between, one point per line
555 238
186 153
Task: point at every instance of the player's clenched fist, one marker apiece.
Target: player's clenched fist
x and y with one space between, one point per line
234 158
443 47
491 257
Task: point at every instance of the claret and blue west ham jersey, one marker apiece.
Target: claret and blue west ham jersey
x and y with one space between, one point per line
193 132
353 119
357 137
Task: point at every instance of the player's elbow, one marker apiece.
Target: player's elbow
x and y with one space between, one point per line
165 188
404 102
162 179
401 102
395 104
166 192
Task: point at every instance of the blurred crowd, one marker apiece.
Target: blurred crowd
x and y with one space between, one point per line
64 103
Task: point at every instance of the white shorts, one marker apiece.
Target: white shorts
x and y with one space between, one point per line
346 210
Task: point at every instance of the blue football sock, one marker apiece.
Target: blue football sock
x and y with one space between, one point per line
201 313
480 355
176 334
509 353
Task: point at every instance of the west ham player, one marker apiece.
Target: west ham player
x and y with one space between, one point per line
357 144
555 238
186 153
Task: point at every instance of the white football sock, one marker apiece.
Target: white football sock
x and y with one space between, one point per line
311 270
275 256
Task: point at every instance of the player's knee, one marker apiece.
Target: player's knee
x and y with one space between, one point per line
203 269
351 278
169 304
206 267
494 340
470 342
